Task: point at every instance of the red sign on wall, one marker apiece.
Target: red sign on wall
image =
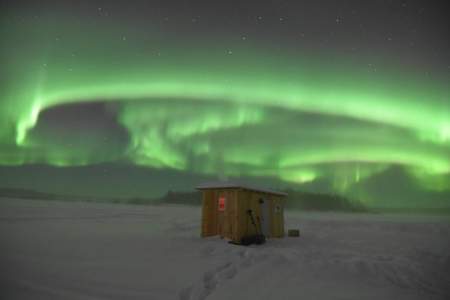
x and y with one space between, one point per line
221 203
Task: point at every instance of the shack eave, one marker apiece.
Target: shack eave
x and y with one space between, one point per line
237 185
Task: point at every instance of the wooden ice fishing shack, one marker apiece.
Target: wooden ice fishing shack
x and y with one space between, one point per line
228 210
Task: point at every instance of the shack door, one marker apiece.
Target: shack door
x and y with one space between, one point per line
265 216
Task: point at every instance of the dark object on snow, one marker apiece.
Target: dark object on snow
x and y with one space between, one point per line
257 238
293 232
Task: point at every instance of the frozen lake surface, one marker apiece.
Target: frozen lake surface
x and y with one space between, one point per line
68 250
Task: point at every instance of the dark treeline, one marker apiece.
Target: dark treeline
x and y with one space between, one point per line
296 200
37 195
189 198
26 194
317 201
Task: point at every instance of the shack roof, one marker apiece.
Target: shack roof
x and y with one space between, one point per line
236 185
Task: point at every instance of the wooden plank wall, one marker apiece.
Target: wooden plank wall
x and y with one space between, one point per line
227 220
243 206
220 214
241 220
282 203
234 215
234 223
209 214
277 227
253 204
250 200
273 217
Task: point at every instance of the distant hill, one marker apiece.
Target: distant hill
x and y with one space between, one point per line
322 202
37 195
189 198
295 200
26 194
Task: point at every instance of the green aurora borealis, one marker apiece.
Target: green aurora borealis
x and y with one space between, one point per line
219 107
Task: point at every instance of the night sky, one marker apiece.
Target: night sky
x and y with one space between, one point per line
133 98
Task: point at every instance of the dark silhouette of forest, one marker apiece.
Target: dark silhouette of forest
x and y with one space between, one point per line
296 200
317 201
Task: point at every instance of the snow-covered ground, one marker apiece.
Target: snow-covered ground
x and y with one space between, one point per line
60 250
